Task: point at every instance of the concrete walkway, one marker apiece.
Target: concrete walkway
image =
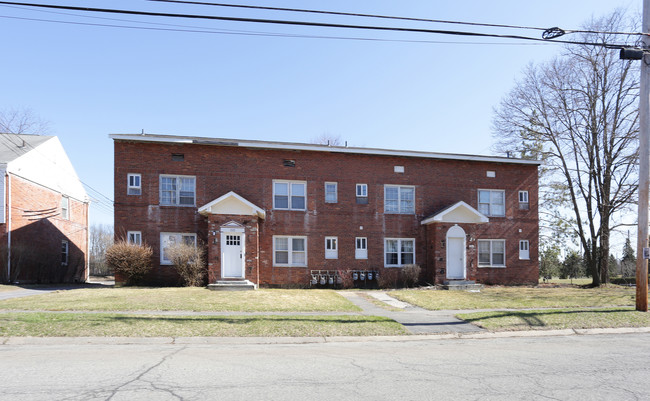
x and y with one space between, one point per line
413 318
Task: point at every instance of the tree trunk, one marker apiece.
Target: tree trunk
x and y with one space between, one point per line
594 263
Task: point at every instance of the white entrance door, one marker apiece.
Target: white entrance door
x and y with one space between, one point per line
232 255
456 253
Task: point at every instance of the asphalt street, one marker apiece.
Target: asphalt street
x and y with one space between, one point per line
577 367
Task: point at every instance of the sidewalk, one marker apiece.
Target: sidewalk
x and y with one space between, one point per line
415 319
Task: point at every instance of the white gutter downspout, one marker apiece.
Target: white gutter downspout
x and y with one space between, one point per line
87 261
8 227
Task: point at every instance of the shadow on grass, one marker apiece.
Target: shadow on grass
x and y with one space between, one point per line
536 318
99 319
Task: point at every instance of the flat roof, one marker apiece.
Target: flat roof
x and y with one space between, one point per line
248 143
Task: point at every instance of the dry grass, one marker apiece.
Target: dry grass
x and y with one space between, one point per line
8 288
189 299
570 281
39 324
519 297
558 319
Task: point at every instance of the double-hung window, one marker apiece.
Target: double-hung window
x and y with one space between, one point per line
523 200
492 253
330 192
331 248
289 195
492 202
399 199
65 208
399 251
168 240
134 237
361 248
134 184
362 194
289 251
64 252
177 190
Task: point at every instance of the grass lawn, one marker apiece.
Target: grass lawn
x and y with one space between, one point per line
519 297
189 299
558 319
38 324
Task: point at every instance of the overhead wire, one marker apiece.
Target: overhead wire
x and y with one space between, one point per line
235 31
267 34
302 10
391 17
308 23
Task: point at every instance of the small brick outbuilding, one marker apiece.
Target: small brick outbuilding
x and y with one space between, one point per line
280 213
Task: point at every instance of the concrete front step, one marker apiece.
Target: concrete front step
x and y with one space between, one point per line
232 285
461 285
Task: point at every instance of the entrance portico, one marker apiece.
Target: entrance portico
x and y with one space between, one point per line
233 238
451 242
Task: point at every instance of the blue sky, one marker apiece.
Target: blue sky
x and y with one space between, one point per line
91 81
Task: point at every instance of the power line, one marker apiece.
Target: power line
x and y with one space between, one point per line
305 23
302 10
254 33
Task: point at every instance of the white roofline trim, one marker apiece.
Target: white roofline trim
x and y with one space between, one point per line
313 147
438 217
205 209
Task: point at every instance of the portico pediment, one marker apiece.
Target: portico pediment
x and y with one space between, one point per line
232 204
459 212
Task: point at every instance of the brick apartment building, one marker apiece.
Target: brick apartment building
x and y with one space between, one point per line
281 213
43 213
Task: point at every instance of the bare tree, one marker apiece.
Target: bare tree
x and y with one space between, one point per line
22 121
327 139
101 238
578 113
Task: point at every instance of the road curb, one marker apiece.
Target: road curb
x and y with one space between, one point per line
310 340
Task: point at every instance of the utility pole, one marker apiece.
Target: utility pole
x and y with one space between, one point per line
644 169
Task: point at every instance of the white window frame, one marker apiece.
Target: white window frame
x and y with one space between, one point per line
490 204
400 262
65 252
290 251
331 247
65 210
361 248
524 203
524 249
335 193
491 242
362 190
177 192
134 237
400 188
132 188
289 194
178 237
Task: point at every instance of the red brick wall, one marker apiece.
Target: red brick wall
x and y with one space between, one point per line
249 172
38 230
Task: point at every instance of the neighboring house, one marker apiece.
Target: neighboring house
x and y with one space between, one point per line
282 213
43 213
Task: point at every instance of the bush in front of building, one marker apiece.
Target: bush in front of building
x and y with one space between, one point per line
388 278
130 261
411 275
189 262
